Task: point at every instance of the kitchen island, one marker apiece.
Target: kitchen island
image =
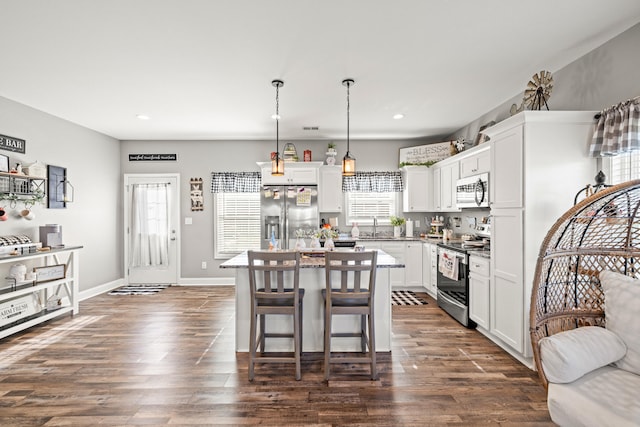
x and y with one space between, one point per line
312 279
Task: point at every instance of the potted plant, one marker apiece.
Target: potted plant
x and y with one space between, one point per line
331 147
397 222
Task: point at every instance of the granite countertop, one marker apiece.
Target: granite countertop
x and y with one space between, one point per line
241 261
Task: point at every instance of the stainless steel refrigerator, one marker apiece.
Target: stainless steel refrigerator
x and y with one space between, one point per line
285 209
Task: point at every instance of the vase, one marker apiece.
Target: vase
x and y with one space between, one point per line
397 231
315 243
329 244
300 244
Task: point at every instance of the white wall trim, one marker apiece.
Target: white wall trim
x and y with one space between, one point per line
207 281
97 290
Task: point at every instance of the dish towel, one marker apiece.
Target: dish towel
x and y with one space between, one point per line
448 265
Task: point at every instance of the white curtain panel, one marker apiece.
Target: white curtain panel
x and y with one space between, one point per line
149 225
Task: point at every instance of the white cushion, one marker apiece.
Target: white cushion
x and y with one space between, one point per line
621 309
566 356
605 397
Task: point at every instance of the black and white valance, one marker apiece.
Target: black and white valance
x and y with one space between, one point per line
235 182
617 130
373 182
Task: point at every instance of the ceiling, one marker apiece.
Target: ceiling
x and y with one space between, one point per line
202 69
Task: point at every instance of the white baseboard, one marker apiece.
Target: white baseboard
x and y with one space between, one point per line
526 361
207 281
97 290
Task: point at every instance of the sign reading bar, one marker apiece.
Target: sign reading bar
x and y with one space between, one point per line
152 157
10 143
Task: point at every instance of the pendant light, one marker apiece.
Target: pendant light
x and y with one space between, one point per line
348 162
277 162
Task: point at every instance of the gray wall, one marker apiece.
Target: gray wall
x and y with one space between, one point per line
96 162
197 159
603 77
93 167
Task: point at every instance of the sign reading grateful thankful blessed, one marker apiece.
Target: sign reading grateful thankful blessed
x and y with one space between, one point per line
10 143
152 157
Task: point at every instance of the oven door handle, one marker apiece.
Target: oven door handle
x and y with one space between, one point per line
450 300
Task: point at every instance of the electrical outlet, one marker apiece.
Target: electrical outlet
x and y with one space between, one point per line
204 265
417 223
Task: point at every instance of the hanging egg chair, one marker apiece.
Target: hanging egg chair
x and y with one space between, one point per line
602 232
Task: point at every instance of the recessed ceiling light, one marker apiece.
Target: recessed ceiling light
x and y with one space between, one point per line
143 117
398 116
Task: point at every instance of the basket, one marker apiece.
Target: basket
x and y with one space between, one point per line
602 232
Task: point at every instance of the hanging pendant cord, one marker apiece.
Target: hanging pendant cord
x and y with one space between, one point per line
348 108
277 121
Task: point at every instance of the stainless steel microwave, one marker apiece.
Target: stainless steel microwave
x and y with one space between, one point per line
473 191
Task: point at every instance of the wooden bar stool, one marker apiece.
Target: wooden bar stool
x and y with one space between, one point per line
274 285
348 296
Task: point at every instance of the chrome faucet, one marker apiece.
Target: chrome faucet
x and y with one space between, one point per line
375 225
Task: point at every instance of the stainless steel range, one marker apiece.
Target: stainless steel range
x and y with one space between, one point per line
453 276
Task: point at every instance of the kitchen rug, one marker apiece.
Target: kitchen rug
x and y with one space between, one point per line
143 289
406 298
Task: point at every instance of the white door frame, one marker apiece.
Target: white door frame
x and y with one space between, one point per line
175 222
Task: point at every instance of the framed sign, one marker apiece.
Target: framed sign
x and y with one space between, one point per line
4 163
424 155
10 143
50 272
152 157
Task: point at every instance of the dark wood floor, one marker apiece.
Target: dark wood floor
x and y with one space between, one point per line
168 359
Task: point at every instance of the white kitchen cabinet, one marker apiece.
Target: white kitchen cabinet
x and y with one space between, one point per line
417 195
437 189
479 305
429 271
445 176
330 195
476 163
539 160
396 250
413 264
294 173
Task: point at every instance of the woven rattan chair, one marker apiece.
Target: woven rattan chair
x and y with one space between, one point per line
602 232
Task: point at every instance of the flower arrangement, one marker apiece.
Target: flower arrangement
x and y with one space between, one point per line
326 233
397 221
300 233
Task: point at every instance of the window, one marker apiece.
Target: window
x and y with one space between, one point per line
363 207
237 223
623 167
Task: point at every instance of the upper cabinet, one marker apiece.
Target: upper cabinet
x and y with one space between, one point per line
477 163
445 176
294 173
417 195
330 195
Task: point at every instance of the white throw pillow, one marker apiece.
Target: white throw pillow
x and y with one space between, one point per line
568 355
621 309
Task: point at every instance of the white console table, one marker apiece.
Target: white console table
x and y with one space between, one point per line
15 298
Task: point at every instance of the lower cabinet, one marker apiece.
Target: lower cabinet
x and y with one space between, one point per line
407 252
479 291
429 268
413 264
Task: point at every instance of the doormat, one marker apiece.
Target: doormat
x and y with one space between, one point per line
406 298
138 289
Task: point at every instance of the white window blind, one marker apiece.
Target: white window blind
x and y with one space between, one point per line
237 223
363 207
624 167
